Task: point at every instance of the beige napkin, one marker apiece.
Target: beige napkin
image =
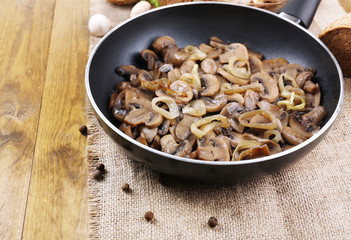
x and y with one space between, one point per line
308 200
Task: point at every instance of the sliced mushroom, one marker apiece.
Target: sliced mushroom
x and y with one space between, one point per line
235 49
149 133
215 53
168 52
179 57
212 52
120 86
120 105
292 69
162 42
187 67
255 64
128 130
150 57
168 144
182 130
156 143
295 124
205 48
164 127
134 80
236 97
232 111
231 78
273 146
211 85
275 62
291 136
174 75
313 118
142 113
208 65
183 91
165 68
255 54
310 87
186 147
271 90
216 151
302 77
216 103
142 139
216 42
127 70
251 99
144 75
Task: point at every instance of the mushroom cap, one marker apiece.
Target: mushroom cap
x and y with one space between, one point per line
271 90
168 143
217 150
179 57
292 136
127 70
235 49
215 103
208 65
182 130
211 85
150 57
142 113
162 42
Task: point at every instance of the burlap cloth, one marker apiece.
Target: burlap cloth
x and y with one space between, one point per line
308 200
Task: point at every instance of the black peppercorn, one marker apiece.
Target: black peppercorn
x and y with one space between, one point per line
125 187
98 175
83 129
149 216
101 167
212 222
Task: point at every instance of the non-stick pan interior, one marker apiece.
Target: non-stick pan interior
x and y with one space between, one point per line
196 23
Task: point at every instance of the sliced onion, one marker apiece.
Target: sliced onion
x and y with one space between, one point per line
273 120
195 108
228 89
192 78
269 133
172 107
284 91
244 144
184 88
196 54
201 127
290 103
238 71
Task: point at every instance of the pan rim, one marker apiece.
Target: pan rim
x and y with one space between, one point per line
324 129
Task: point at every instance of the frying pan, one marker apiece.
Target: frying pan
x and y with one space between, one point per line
194 23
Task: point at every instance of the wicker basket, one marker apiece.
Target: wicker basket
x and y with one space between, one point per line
273 6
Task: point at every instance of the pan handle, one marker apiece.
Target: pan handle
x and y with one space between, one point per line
300 11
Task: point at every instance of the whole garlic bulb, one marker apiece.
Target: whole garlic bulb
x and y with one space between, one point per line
140 7
99 25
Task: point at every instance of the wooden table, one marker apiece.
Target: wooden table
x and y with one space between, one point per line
43 172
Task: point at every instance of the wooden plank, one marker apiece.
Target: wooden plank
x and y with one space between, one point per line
25 37
57 207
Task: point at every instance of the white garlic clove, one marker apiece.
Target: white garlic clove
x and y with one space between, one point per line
140 7
99 25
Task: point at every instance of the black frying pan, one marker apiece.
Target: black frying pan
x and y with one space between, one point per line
193 23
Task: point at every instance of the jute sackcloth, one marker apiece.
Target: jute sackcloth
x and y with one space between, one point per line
308 200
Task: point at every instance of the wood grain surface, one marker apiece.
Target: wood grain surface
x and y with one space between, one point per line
44 49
